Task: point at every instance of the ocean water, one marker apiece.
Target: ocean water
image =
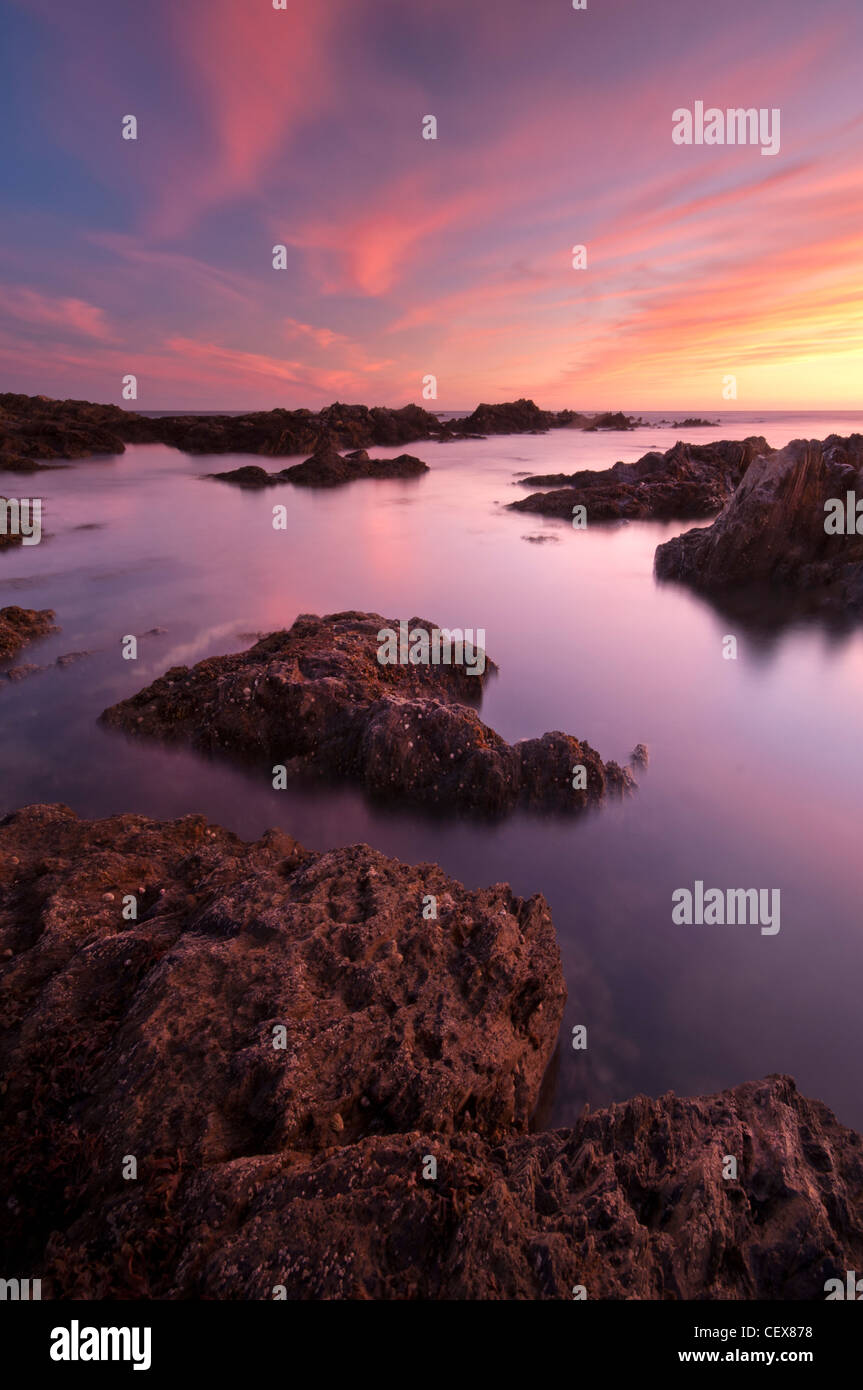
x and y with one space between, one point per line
755 772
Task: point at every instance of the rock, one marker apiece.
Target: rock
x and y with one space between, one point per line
525 417
21 625
772 530
613 420
640 755
250 475
320 700
71 658
512 417
22 672
328 468
154 1037
630 1203
35 427
688 480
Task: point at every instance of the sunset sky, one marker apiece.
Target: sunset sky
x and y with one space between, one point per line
409 257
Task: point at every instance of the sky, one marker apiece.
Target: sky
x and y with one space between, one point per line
409 258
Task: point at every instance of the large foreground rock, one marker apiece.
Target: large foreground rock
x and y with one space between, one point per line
688 480
772 530
628 1204
154 1037
316 698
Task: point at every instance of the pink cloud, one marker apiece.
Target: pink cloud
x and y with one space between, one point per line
38 310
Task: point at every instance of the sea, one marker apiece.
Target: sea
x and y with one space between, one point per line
755 777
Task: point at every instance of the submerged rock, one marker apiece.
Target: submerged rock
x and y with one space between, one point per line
687 480
772 530
328 468
316 697
21 625
264 1000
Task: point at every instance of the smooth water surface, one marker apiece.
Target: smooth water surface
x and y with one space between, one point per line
755 774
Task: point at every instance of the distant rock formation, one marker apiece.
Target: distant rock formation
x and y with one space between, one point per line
687 480
21 625
328 468
317 698
772 530
525 417
34 428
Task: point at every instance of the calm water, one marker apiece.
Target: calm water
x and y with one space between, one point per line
755 776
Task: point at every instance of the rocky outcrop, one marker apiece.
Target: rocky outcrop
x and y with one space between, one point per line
328 468
525 417
317 698
773 530
381 1149
36 427
629 1203
687 480
262 1000
21 625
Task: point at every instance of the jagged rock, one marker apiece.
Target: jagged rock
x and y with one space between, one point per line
316 697
36 427
612 420
630 1204
772 530
153 1037
687 480
525 417
511 417
20 625
640 755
